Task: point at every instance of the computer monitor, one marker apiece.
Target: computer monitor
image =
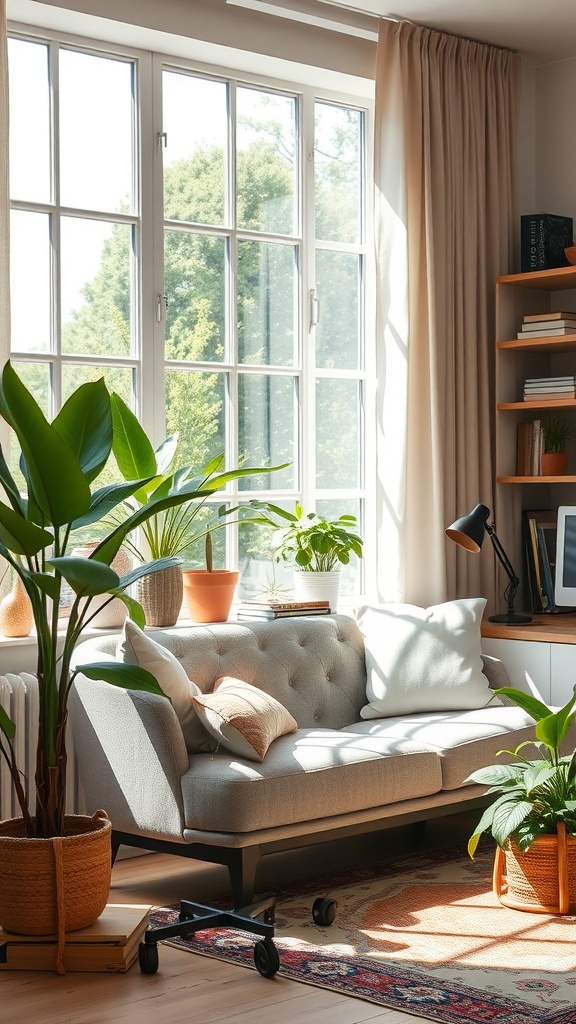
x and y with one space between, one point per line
565 582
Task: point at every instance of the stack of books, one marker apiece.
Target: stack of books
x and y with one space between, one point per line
549 389
547 325
110 944
539 532
280 609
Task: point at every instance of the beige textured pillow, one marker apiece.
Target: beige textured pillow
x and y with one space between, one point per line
136 648
244 719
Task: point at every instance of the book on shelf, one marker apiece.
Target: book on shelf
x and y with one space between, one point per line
554 332
554 326
547 396
529 448
543 238
567 378
245 614
531 318
283 604
539 529
108 945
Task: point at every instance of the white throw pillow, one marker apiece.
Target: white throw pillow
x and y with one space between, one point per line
136 648
423 659
243 718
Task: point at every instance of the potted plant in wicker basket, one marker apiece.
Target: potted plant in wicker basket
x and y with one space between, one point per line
60 461
533 820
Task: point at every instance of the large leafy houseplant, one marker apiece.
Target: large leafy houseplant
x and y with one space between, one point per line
60 461
310 541
535 794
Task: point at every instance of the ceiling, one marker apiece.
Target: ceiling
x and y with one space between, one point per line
543 31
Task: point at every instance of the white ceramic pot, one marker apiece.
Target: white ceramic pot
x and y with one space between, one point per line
318 586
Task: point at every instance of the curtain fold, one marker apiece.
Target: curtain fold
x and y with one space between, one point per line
445 219
4 207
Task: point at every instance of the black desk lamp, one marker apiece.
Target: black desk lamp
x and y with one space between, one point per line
468 532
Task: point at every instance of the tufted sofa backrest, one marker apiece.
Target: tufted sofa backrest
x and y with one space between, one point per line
313 665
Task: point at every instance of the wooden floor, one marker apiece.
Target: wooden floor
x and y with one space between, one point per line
190 988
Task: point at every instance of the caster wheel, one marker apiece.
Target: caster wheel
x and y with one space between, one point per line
266 958
324 910
148 957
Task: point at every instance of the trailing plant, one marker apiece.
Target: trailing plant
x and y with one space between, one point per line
535 794
310 541
60 462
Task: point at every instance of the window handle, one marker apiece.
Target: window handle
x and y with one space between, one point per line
314 308
161 137
161 307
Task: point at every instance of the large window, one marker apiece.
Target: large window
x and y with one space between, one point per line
201 242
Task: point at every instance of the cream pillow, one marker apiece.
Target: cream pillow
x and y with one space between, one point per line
136 648
244 719
423 659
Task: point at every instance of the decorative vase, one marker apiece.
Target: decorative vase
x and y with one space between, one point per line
114 612
554 463
54 886
161 594
16 618
209 595
318 586
543 879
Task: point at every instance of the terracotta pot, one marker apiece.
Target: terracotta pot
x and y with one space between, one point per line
161 595
554 464
543 879
57 885
209 595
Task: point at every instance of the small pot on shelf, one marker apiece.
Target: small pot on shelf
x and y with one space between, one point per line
554 464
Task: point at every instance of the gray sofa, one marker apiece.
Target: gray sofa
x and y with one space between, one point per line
335 775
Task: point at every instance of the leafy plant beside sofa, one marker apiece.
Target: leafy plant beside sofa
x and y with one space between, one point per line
310 541
535 794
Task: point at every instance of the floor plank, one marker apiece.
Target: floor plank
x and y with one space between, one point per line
189 987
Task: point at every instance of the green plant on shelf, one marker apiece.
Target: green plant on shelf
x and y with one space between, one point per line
556 433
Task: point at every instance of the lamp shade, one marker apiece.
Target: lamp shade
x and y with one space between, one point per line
468 531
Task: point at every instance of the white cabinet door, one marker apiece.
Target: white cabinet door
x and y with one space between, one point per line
527 661
563 673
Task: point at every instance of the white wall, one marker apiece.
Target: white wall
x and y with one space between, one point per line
555 140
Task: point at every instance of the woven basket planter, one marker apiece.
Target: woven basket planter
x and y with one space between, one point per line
542 880
161 595
54 886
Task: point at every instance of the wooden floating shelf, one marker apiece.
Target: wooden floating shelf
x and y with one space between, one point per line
536 479
548 280
553 343
554 403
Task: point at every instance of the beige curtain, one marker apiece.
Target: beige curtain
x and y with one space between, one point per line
4 210
446 114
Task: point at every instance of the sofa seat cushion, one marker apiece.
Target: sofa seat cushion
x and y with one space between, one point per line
305 775
464 740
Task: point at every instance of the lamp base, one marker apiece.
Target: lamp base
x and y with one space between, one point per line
511 620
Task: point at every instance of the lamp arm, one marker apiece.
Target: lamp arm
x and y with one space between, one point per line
501 554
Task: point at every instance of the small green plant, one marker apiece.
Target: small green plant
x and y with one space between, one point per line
310 541
535 794
556 433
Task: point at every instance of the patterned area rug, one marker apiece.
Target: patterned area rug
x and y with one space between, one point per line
424 935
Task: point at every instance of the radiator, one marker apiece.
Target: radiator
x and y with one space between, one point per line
19 698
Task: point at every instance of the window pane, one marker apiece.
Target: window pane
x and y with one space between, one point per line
194 280
266 429
338 330
195 410
266 140
117 378
266 303
36 377
96 132
30 276
194 556
260 575
29 121
337 417
338 173
96 287
195 119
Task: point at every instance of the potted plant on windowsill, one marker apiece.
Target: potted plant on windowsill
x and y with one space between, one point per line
60 462
317 547
555 435
533 820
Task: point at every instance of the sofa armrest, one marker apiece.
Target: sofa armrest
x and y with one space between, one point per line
131 756
495 671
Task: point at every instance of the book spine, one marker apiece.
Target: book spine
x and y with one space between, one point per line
560 332
545 325
558 315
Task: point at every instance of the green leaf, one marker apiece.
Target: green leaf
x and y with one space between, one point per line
86 576
508 815
165 453
484 825
19 535
58 484
128 677
497 775
9 485
535 708
132 449
135 609
552 729
85 423
7 726
46 582
107 498
147 568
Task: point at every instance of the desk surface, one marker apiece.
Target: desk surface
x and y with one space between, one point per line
552 629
